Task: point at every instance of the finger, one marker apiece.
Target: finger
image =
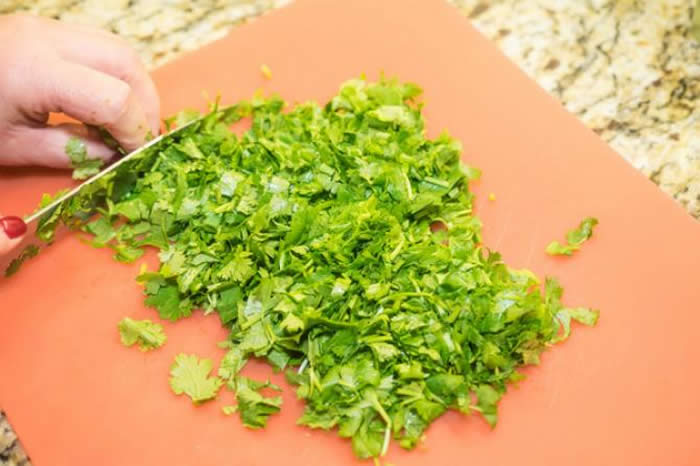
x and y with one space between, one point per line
91 97
12 229
110 54
47 146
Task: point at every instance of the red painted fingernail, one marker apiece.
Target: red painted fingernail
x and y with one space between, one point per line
14 227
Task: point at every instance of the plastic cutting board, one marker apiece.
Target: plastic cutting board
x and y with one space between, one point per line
624 393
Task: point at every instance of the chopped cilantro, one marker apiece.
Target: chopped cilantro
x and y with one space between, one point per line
575 238
27 253
312 237
254 408
229 409
83 166
148 335
166 300
231 364
190 375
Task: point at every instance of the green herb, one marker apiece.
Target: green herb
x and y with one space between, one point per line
312 237
575 238
553 293
190 375
229 410
231 364
83 166
254 408
181 119
146 334
27 253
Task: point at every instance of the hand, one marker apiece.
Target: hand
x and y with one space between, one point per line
90 75
12 229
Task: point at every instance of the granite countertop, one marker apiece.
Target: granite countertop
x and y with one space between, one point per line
628 69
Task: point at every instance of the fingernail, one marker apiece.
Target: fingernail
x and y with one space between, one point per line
14 227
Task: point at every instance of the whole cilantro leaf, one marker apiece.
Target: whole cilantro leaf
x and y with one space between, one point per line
190 375
148 335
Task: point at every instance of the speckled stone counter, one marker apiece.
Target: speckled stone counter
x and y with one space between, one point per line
11 453
628 69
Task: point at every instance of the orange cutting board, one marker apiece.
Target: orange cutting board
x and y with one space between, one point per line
625 392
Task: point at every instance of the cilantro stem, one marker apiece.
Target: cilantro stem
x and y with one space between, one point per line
303 365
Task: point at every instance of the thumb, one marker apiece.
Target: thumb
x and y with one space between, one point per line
12 229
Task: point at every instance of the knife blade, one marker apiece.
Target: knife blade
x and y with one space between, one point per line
31 245
115 166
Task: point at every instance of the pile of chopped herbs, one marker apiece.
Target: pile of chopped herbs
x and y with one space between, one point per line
313 238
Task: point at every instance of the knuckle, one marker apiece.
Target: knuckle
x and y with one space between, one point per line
117 103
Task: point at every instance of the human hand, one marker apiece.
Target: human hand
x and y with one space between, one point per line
90 75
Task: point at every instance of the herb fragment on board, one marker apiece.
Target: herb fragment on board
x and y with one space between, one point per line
190 375
229 409
146 334
575 238
27 253
254 408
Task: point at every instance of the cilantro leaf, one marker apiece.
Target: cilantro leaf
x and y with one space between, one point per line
190 375
582 315
83 166
229 409
254 408
575 238
487 404
148 335
166 299
238 268
232 363
27 253
181 119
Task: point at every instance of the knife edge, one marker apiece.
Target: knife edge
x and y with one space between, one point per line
54 204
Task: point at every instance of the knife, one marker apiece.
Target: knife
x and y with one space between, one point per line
115 166
31 242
